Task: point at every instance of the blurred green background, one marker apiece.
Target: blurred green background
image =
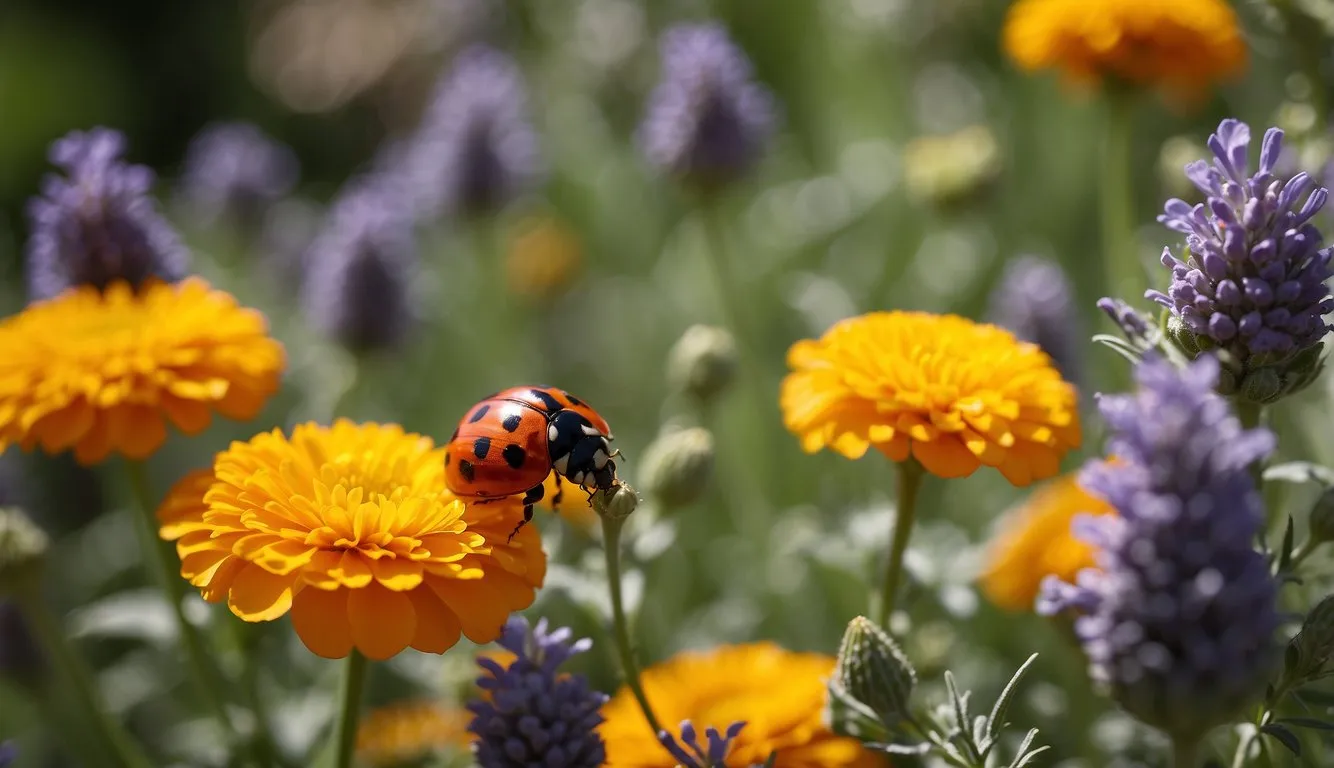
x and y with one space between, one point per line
782 545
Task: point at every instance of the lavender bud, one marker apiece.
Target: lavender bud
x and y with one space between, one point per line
536 716
1178 619
1034 299
233 172
689 753
707 121
360 270
97 223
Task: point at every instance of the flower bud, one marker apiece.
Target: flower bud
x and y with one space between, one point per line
616 503
1321 521
1262 386
703 362
872 670
678 466
22 545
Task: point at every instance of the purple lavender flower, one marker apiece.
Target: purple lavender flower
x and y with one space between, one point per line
360 269
707 120
475 150
536 717
1034 300
1253 281
234 171
97 224
1178 618
712 755
9 752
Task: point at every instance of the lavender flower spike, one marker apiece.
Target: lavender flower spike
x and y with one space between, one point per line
97 224
1178 619
234 171
1034 299
1253 279
713 755
535 716
360 269
707 121
475 150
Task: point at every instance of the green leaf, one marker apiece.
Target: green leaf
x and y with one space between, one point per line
1300 472
1285 550
1307 722
1284 736
996 721
1023 747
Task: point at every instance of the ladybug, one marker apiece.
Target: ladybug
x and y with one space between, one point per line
511 441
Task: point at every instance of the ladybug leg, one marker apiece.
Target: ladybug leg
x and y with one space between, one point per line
530 499
556 497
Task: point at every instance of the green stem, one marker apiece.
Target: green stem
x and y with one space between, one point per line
349 712
1122 270
122 749
729 292
163 558
611 545
1251 415
1185 753
910 481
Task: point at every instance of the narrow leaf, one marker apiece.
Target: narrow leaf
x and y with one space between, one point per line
996 720
1023 747
1300 472
1285 551
901 749
1307 722
1283 736
1030 757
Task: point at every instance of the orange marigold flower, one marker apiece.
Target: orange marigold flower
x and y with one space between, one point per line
544 258
102 371
780 694
406 731
952 393
574 507
1184 45
1036 541
350 529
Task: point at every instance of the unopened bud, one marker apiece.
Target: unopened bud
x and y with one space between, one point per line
22 545
703 362
873 670
678 466
616 503
1262 386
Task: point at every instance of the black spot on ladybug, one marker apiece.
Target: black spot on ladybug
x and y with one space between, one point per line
514 455
481 446
512 422
573 400
551 403
446 458
466 469
478 414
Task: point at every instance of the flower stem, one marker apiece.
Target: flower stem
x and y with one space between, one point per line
163 558
910 481
1251 415
611 545
349 712
122 749
729 293
1185 753
1122 271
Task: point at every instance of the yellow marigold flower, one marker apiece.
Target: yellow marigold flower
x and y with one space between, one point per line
1036 540
1183 45
406 731
102 371
953 393
574 507
780 694
350 529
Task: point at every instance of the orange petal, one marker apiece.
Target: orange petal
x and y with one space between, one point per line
483 605
321 621
946 457
437 627
383 622
64 427
397 574
258 595
144 432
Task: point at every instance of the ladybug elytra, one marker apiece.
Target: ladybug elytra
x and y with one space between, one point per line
510 442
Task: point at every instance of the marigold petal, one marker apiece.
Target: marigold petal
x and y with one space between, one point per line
352 570
946 457
320 619
438 629
143 431
383 621
257 595
215 583
62 428
483 605
397 574
189 416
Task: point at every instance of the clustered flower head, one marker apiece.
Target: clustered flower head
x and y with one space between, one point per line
234 171
535 716
779 695
707 121
360 270
951 393
349 529
1035 300
97 224
102 372
1252 281
476 150
689 753
1178 618
1182 45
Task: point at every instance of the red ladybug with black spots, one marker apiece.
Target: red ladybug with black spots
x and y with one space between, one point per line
508 443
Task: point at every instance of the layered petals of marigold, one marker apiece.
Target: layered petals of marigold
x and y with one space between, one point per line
1036 540
778 693
102 372
951 393
350 529
1183 45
